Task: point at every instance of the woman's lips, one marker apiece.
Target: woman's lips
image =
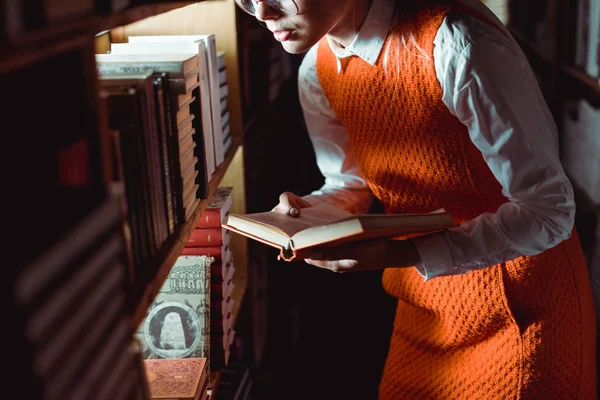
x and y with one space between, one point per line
282 36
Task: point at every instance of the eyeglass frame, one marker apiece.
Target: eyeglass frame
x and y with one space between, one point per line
239 4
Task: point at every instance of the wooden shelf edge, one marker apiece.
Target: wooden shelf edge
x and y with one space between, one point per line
32 46
587 85
168 255
138 13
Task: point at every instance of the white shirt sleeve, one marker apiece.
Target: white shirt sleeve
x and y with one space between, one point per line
488 84
344 185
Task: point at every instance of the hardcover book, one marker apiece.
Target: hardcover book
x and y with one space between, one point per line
203 106
327 225
176 378
210 45
176 65
217 208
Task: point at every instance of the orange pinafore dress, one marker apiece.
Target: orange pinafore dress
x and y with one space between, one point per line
520 329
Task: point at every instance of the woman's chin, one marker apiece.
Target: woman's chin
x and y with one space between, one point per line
295 47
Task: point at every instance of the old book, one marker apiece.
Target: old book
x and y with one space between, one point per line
217 208
176 65
211 59
176 378
327 225
206 237
203 107
218 252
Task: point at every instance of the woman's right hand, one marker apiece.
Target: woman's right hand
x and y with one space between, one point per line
291 204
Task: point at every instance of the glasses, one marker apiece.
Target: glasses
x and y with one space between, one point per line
285 7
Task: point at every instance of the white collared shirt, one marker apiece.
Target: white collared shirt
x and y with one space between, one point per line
488 85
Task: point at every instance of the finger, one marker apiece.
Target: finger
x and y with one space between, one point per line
291 204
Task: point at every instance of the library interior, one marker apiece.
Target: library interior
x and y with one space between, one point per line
159 119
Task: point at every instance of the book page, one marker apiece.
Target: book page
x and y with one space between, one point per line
309 217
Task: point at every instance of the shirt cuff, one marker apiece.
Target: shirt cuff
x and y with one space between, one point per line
436 259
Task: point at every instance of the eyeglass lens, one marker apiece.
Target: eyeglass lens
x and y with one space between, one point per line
286 7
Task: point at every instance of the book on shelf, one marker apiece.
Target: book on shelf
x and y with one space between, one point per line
204 107
217 252
161 98
176 65
217 209
131 111
177 323
206 237
177 378
171 136
327 225
213 76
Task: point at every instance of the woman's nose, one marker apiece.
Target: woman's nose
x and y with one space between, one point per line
264 12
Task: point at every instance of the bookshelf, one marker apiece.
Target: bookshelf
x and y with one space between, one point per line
566 80
31 46
173 248
574 98
34 49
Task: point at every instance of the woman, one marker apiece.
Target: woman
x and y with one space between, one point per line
427 105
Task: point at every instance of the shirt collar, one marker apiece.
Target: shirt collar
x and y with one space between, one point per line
368 42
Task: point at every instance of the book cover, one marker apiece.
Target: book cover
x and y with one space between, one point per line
178 321
177 378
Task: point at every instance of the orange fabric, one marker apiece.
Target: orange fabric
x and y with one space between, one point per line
520 329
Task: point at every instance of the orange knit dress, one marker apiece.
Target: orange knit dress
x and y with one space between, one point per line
521 329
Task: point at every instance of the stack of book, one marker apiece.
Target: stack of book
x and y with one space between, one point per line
223 93
148 99
205 46
210 239
70 304
201 108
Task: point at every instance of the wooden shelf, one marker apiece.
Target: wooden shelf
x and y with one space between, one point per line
531 49
582 84
173 248
32 46
138 13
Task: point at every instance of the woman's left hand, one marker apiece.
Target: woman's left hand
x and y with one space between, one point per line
365 255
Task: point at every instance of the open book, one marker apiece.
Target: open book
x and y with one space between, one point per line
327 225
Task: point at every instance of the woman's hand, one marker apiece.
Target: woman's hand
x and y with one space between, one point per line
291 204
366 255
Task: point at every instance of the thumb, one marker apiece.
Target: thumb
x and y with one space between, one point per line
291 204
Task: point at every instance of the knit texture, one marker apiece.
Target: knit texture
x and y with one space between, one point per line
520 329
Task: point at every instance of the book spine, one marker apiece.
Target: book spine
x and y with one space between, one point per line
205 237
211 218
177 86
